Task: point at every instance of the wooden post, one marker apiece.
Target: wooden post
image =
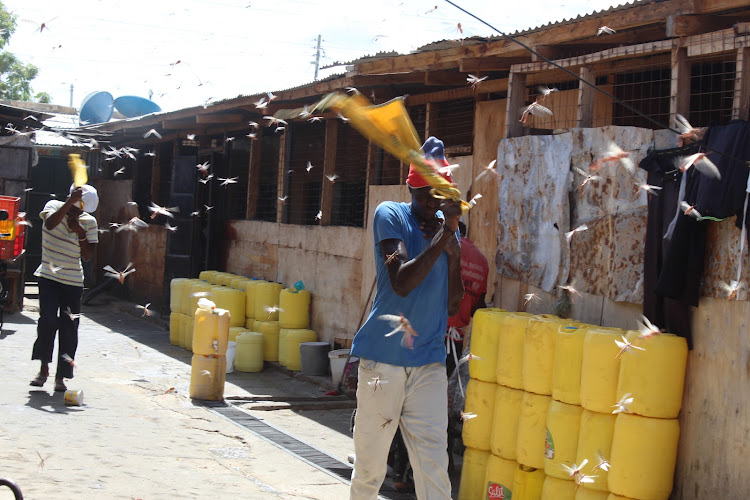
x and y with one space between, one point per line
679 96
284 145
741 100
253 174
516 101
372 151
585 118
329 168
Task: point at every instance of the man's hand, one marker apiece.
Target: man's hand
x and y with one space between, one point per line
452 212
430 229
76 196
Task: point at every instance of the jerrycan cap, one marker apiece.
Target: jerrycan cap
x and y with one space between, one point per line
299 286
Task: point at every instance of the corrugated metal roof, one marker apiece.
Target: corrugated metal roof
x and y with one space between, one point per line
51 138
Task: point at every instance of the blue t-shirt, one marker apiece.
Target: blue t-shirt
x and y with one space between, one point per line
426 307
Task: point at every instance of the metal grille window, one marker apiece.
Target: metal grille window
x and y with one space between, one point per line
267 180
304 187
348 208
648 92
239 167
711 91
453 123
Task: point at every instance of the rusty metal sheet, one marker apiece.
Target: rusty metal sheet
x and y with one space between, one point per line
627 251
722 259
533 208
617 189
591 256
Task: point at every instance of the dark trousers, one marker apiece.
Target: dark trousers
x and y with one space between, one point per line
55 300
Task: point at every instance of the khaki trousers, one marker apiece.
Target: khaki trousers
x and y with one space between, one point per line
415 399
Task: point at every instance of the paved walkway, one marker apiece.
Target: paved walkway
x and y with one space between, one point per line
139 435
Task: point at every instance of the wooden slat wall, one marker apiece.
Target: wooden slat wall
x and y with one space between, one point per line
489 126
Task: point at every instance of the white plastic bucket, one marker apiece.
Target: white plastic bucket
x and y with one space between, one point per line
338 358
231 351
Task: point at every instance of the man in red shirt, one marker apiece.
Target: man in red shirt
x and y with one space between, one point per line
474 271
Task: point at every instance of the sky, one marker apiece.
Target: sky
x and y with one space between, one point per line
188 52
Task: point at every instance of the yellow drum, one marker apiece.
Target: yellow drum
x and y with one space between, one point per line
600 369
655 377
207 377
232 300
295 308
507 413
499 477
510 350
566 373
270 331
644 454
249 354
594 438
174 328
558 489
539 354
294 337
177 293
561 445
480 400
532 429
473 473
210 332
267 301
528 483
236 330
485 330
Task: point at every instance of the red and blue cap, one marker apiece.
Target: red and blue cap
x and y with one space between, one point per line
434 152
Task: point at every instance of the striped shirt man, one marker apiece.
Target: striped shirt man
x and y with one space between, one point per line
61 251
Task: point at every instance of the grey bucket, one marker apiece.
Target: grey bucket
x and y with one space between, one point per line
314 357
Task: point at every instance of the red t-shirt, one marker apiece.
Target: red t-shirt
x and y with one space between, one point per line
474 271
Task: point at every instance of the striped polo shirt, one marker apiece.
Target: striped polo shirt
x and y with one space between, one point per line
61 252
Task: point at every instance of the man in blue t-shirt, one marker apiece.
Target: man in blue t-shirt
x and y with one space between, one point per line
402 380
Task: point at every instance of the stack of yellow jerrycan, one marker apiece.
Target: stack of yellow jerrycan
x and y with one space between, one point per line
209 351
574 415
294 323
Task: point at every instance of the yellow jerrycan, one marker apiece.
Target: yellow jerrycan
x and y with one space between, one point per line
499 478
528 483
510 350
207 377
206 276
655 377
211 329
174 328
473 472
271 331
566 373
236 330
558 489
294 337
250 287
267 301
532 429
539 353
561 444
507 413
480 400
485 331
197 290
584 493
232 300
177 293
644 455
595 440
600 369
295 308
